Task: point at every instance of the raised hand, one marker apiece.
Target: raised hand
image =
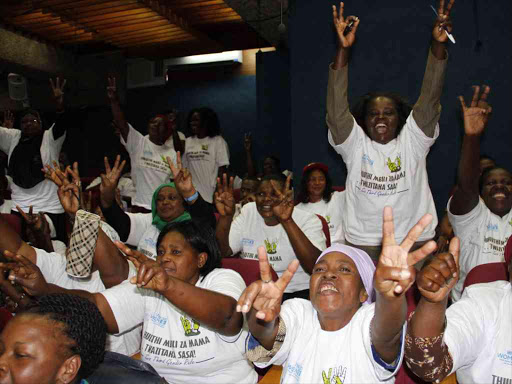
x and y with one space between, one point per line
443 22
58 92
182 177
55 174
477 114
8 119
224 199
345 27
35 221
395 271
265 295
25 273
283 205
436 280
112 89
109 181
248 142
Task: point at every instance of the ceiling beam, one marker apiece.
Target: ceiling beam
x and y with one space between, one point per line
159 34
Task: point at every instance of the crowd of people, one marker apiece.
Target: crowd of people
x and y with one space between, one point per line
127 280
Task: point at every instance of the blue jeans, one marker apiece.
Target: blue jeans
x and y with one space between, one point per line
120 369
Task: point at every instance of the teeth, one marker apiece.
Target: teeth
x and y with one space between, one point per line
499 195
328 288
381 125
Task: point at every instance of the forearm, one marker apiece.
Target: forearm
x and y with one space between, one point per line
425 352
467 194
178 144
118 219
251 169
109 261
306 252
11 241
222 234
119 118
264 332
339 119
386 329
42 241
427 109
213 309
62 121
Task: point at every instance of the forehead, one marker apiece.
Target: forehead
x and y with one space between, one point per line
266 185
337 258
29 116
249 184
166 191
173 238
269 160
28 328
316 173
381 102
499 173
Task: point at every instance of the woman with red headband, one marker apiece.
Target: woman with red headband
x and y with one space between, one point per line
317 196
147 153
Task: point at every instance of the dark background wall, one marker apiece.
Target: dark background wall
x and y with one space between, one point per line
390 54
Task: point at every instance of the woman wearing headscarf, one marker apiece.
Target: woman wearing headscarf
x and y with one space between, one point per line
29 149
340 335
147 153
171 202
384 142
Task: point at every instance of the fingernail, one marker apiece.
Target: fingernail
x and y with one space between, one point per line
260 315
405 274
238 308
398 289
245 308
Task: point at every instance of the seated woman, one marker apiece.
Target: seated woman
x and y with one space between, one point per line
206 152
29 149
186 303
473 337
172 202
480 209
383 143
147 153
317 196
339 336
57 339
287 233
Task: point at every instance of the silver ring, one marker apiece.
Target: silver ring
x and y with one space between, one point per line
15 305
266 281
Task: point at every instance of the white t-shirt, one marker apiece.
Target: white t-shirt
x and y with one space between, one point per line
393 174
249 231
483 236
179 348
43 196
479 334
6 207
53 268
332 212
312 355
143 234
203 158
149 165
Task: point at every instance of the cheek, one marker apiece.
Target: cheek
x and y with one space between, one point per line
29 372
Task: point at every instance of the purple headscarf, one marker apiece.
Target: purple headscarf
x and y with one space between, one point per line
363 262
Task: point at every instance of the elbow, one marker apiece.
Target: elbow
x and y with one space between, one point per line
232 321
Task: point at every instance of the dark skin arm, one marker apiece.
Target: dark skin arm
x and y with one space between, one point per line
261 302
225 204
39 229
476 117
62 122
11 241
213 309
117 112
251 168
394 275
304 250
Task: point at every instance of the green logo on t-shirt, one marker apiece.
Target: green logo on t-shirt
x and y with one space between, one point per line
190 328
396 165
271 247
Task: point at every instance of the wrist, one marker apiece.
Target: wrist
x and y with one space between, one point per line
190 195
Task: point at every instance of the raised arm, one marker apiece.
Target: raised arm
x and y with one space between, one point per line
63 120
225 204
305 251
339 120
38 229
427 109
394 275
11 241
117 112
251 167
261 301
475 119
431 360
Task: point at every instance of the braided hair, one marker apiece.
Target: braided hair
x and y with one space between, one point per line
80 321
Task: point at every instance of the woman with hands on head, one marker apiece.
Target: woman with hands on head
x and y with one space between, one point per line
473 337
272 221
480 209
28 149
340 335
172 202
384 142
147 153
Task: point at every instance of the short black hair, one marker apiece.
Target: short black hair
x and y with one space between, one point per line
275 159
279 177
360 108
200 237
209 119
303 196
82 322
485 174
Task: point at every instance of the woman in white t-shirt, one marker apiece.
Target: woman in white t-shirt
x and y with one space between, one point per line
206 151
317 196
338 336
147 153
287 233
480 209
472 338
383 143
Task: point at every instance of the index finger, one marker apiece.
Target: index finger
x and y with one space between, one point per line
107 165
454 249
449 7
174 170
286 277
415 232
440 8
388 227
485 93
22 213
265 273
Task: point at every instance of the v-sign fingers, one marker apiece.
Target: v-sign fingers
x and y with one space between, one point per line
388 228
415 232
